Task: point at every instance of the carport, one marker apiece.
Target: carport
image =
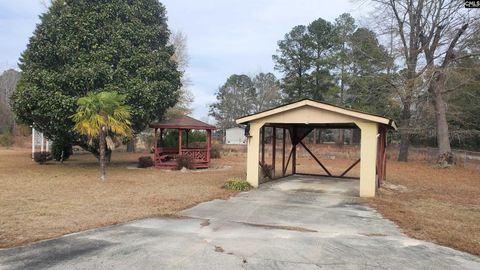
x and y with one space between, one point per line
299 119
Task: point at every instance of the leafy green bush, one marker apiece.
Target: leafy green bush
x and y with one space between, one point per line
184 161
61 151
6 139
145 162
237 184
41 157
215 150
170 138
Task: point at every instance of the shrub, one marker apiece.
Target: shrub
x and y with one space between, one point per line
237 184
61 151
6 140
215 151
145 162
184 161
41 157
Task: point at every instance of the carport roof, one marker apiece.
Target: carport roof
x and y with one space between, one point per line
320 105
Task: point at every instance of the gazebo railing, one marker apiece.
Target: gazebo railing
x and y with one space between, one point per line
167 157
197 154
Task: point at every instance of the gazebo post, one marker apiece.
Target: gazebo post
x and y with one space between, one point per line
155 140
179 141
161 137
186 137
209 144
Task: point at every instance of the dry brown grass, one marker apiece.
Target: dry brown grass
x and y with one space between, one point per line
440 205
43 201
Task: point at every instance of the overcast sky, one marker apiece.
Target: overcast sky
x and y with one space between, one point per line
223 36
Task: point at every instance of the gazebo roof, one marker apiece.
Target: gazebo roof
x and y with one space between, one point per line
183 122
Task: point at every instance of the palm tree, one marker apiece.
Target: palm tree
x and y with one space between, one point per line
100 113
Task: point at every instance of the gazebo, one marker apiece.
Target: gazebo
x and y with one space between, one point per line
166 157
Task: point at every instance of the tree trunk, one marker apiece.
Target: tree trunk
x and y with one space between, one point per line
404 133
445 156
131 145
102 143
404 145
340 137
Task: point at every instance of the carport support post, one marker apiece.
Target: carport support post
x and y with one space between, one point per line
274 149
368 156
294 150
283 150
263 145
253 145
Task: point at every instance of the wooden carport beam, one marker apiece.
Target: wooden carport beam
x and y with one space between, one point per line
349 168
316 159
288 161
295 139
381 154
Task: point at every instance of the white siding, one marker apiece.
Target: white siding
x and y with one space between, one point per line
235 136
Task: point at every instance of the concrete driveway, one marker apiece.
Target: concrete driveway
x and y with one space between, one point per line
297 223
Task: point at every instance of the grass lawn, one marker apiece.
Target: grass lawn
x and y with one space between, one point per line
43 201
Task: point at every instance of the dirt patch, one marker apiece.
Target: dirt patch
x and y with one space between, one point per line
44 201
205 223
278 227
219 249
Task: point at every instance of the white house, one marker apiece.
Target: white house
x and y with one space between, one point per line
235 135
38 140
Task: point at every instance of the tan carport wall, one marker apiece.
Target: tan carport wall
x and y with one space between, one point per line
304 115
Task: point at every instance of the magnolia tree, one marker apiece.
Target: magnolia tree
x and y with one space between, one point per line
94 46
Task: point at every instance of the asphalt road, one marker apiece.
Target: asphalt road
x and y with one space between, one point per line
297 223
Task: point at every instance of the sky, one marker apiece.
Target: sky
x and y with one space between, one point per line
224 37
